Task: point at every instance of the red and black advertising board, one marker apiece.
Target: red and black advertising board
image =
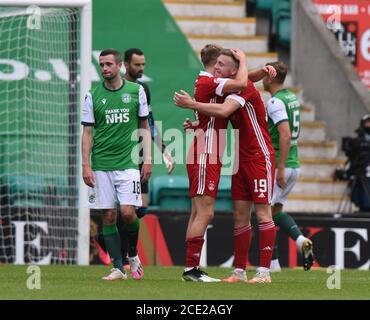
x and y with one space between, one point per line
338 240
349 20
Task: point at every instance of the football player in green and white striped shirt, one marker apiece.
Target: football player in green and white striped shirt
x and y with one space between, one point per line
283 110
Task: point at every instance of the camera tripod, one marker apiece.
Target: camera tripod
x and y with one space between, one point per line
345 205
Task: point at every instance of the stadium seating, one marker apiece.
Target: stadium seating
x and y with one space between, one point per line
279 12
60 189
281 22
170 192
34 191
264 5
283 31
27 191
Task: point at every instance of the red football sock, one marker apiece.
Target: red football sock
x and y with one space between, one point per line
193 250
242 242
267 233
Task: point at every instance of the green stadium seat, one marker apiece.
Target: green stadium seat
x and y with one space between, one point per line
281 8
37 191
61 185
175 202
264 5
26 184
153 208
60 188
280 28
27 191
284 31
170 192
28 202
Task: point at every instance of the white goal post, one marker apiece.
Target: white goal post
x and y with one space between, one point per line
40 99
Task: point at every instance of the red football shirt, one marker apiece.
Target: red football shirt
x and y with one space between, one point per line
210 135
251 121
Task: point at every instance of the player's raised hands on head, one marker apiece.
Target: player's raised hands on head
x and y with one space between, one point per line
183 99
238 54
270 71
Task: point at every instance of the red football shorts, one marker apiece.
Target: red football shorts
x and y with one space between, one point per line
254 180
203 177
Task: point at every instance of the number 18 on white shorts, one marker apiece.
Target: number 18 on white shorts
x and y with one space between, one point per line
122 186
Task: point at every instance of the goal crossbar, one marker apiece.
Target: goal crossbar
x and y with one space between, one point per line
47 3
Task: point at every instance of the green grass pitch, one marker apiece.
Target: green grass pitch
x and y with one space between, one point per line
74 282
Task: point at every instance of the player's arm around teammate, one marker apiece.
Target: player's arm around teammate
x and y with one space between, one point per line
259 74
221 110
222 67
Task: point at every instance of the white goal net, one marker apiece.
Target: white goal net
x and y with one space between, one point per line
40 95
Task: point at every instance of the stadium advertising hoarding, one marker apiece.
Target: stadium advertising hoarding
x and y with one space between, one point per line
340 241
33 235
349 20
28 238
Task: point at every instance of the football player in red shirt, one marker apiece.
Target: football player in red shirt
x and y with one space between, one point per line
253 181
205 155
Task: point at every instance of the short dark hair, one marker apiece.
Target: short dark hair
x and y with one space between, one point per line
227 52
130 52
209 54
281 70
117 55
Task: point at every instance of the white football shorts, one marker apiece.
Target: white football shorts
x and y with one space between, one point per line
122 186
291 177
